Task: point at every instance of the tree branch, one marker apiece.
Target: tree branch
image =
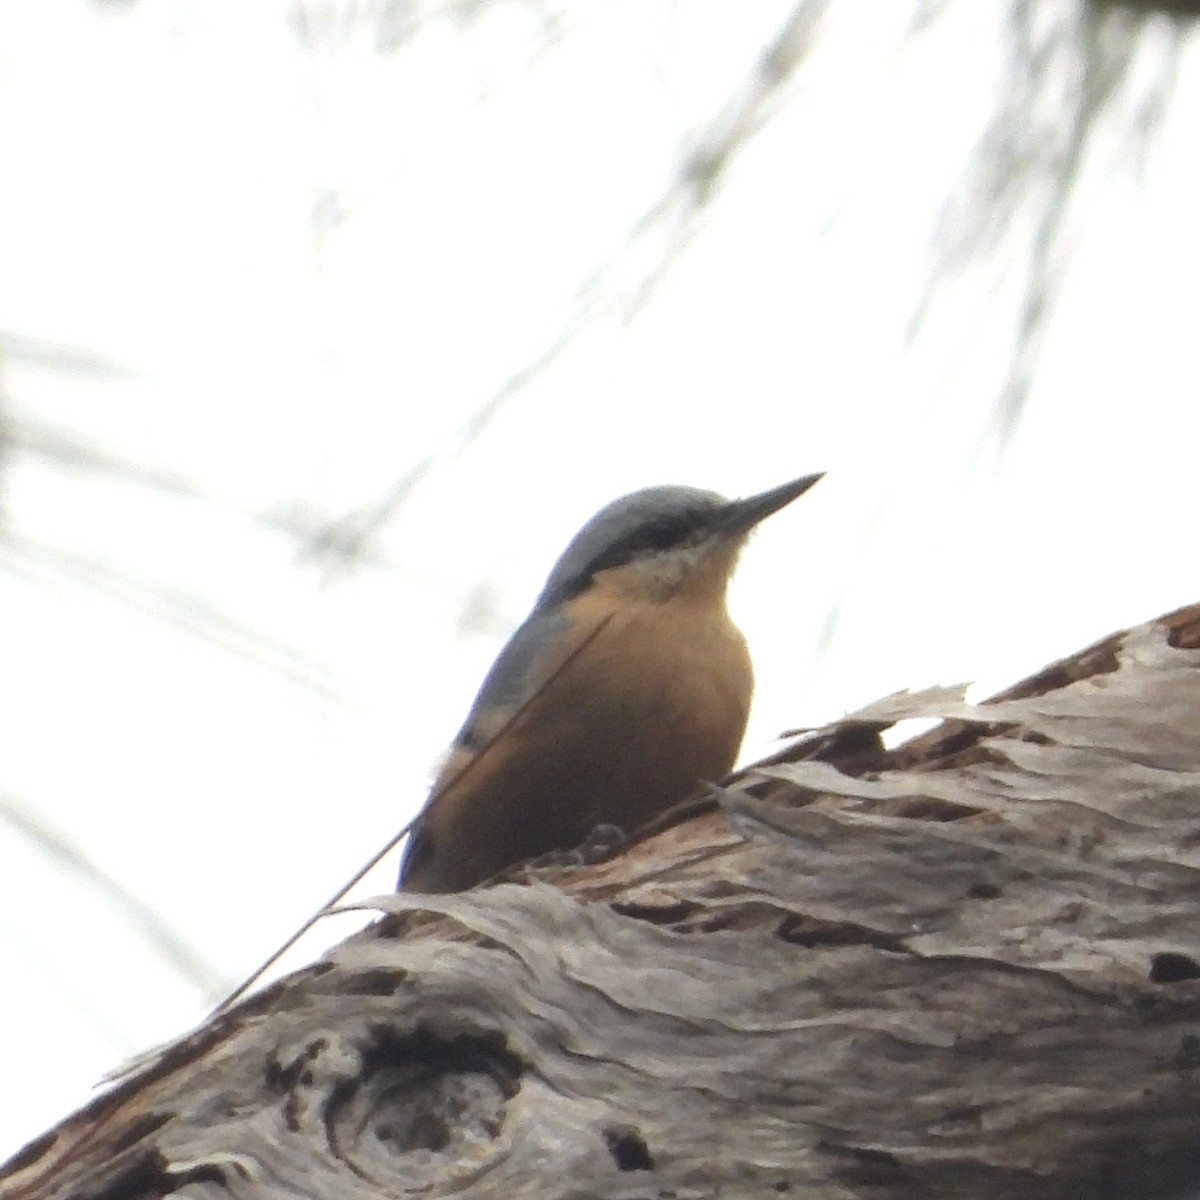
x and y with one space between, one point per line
967 966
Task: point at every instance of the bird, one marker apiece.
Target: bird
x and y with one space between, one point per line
626 687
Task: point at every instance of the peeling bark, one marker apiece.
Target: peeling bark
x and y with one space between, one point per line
968 967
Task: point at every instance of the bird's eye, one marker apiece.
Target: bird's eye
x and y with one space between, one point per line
663 535
649 539
654 538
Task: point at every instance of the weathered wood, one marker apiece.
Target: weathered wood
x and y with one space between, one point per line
966 967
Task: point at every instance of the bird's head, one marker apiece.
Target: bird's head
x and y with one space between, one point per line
660 540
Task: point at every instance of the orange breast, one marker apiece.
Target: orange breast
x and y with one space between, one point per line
653 704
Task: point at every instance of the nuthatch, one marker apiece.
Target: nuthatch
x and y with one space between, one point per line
627 685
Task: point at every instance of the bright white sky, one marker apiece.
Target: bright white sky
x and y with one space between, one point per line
278 252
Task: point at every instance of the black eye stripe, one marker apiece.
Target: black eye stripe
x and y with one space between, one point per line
649 538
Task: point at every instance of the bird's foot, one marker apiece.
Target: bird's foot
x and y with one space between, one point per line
602 842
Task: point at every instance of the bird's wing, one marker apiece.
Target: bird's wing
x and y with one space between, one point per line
531 655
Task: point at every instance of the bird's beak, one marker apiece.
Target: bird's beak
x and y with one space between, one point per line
742 515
